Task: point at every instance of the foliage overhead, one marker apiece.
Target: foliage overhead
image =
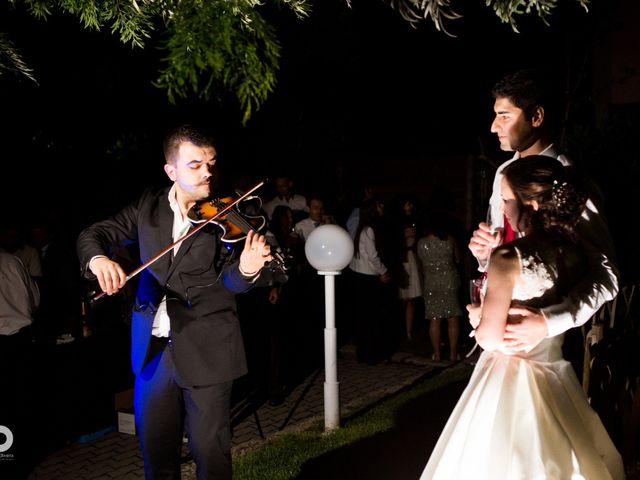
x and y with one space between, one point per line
215 45
439 11
11 60
209 45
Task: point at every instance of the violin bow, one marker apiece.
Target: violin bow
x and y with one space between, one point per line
190 233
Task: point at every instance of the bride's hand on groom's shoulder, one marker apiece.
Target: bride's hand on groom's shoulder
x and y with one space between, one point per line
527 327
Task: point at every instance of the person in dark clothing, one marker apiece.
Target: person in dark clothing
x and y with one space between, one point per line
186 343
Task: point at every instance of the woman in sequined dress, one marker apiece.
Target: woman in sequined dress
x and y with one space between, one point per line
439 256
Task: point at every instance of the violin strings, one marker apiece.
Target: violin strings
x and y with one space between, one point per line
239 219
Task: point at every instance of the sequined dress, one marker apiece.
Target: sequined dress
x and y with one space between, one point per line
441 281
525 416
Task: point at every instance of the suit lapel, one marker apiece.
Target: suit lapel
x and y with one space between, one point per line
184 248
164 223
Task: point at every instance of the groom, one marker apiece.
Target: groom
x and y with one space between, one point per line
523 111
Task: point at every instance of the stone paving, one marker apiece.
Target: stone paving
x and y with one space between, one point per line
117 456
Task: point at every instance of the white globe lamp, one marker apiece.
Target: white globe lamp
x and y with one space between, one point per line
329 248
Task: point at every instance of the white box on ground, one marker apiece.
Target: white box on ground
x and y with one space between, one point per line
126 422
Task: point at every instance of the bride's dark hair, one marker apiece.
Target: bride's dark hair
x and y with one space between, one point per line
547 181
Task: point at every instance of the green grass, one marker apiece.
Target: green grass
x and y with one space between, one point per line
283 457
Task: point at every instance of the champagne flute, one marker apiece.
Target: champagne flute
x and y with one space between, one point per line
494 229
477 284
490 221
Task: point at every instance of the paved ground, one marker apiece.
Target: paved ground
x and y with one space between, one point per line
399 453
116 455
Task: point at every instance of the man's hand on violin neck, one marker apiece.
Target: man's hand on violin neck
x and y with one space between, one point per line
255 254
110 275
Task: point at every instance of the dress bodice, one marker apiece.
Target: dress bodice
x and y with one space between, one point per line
549 266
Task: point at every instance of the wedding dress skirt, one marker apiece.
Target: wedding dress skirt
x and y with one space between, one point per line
524 418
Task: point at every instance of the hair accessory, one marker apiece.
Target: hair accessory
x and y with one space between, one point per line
559 194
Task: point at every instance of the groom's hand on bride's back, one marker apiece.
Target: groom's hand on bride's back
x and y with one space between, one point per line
528 329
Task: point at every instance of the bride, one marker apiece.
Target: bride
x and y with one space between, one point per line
524 415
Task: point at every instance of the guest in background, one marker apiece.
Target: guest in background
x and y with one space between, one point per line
286 334
316 218
354 217
409 287
19 298
59 315
370 277
12 240
285 196
439 256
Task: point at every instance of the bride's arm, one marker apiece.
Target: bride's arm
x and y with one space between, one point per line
504 268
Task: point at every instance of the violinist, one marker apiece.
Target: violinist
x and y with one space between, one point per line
186 343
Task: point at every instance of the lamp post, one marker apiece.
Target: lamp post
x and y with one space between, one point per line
329 249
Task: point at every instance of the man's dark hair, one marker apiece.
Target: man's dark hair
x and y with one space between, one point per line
527 89
184 133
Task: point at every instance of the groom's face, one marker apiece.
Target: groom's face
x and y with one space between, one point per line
514 130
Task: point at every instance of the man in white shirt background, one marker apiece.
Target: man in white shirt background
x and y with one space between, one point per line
285 196
316 218
19 298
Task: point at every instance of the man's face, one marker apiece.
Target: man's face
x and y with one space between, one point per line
316 210
283 186
191 171
515 131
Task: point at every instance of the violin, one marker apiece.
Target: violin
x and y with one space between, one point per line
234 223
225 213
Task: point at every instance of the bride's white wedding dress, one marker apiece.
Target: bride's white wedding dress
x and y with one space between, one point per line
525 416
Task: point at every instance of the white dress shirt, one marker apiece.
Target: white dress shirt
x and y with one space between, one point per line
367 260
305 227
161 322
295 203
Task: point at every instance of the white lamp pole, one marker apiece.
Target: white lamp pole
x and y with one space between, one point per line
329 249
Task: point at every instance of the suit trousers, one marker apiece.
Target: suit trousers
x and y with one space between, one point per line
165 408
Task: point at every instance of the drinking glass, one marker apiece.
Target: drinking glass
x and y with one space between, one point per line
475 287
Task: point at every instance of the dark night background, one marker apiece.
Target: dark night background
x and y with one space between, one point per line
361 95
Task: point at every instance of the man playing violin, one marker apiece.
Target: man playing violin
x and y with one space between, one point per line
186 343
